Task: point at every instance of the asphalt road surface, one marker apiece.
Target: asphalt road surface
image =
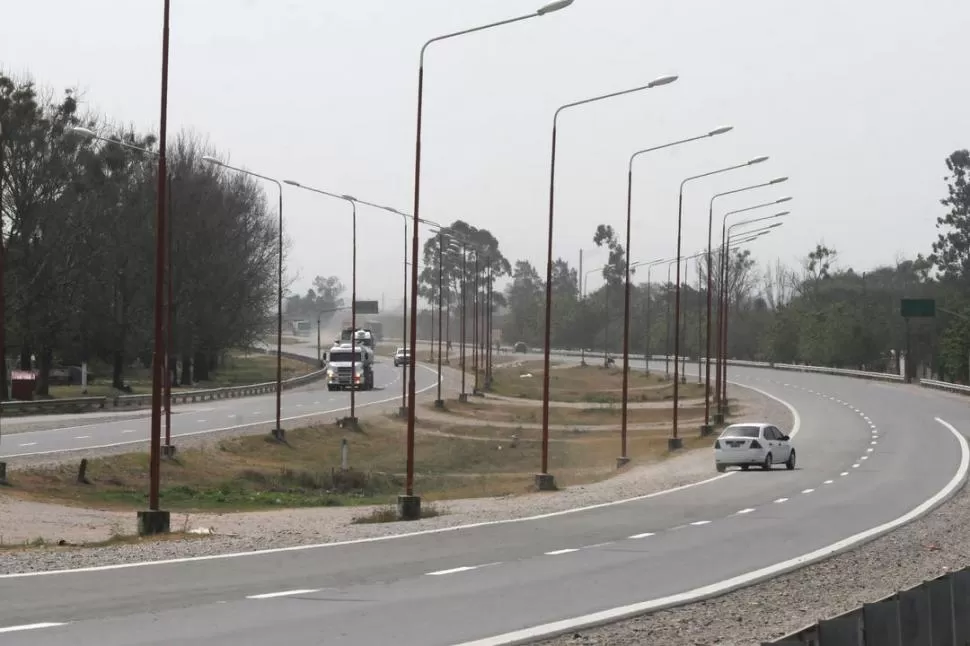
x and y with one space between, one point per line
206 417
868 453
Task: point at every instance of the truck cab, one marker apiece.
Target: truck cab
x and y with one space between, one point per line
345 371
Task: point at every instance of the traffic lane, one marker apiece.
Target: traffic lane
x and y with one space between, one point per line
504 596
223 415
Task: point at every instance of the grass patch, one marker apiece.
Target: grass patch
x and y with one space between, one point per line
454 459
591 384
594 415
41 543
238 369
388 514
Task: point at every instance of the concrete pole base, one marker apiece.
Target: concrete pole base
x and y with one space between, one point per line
439 403
683 379
153 522
463 398
3 473
278 434
545 482
718 418
478 393
674 444
168 451
706 429
409 507
622 462
349 422
402 411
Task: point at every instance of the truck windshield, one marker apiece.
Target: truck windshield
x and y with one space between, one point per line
343 356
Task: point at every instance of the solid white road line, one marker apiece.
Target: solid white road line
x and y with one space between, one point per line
528 635
284 593
46 624
565 551
643 535
698 523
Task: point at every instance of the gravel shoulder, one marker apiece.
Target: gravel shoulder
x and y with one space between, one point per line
22 521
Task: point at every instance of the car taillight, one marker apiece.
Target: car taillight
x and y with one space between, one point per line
755 444
717 444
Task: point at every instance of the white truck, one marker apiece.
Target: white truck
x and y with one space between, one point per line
345 371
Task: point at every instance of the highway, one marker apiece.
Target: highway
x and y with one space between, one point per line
869 454
211 416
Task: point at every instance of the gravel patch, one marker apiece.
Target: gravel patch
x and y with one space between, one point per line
22 521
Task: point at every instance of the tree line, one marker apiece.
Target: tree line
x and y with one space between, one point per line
78 243
818 312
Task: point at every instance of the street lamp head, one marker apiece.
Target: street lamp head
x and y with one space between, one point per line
780 215
778 180
211 160
720 131
663 80
82 132
349 198
783 199
552 7
292 183
758 160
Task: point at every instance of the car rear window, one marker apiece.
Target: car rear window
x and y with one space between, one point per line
741 431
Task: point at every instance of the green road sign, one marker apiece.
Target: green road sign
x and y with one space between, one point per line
367 307
917 307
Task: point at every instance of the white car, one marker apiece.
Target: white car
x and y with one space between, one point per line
753 444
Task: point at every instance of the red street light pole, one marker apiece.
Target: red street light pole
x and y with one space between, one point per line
409 505
722 272
707 428
623 459
156 521
675 442
544 480
278 432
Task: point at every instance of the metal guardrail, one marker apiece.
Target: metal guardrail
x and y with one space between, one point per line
87 404
934 612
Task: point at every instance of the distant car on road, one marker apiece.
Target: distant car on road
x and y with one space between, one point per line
521 347
753 444
401 358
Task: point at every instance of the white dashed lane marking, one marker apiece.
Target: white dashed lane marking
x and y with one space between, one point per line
565 551
698 523
46 624
782 500
644 535
746 511
284 593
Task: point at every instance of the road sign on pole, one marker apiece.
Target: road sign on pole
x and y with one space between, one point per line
367 307
917 307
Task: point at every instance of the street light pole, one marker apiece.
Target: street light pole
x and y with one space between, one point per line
707 428
439 402
623 459
463 396
722 270
278 432
155 520
675 442
544 480
409 505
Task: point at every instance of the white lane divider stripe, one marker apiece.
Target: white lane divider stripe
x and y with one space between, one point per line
782 500
870 450
643 535
28 444
565 551
808 491
844 473
129 430
81 437
698 523
746 511
828 482
46 624
284 593
855 466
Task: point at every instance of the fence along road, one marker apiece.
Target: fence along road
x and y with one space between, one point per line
558 572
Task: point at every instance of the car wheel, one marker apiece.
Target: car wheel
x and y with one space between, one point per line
790 464
720 468
767 465
744 467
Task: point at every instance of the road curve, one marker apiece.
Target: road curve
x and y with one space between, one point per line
494 583
212 416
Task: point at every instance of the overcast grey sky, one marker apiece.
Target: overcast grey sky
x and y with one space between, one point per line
858 101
